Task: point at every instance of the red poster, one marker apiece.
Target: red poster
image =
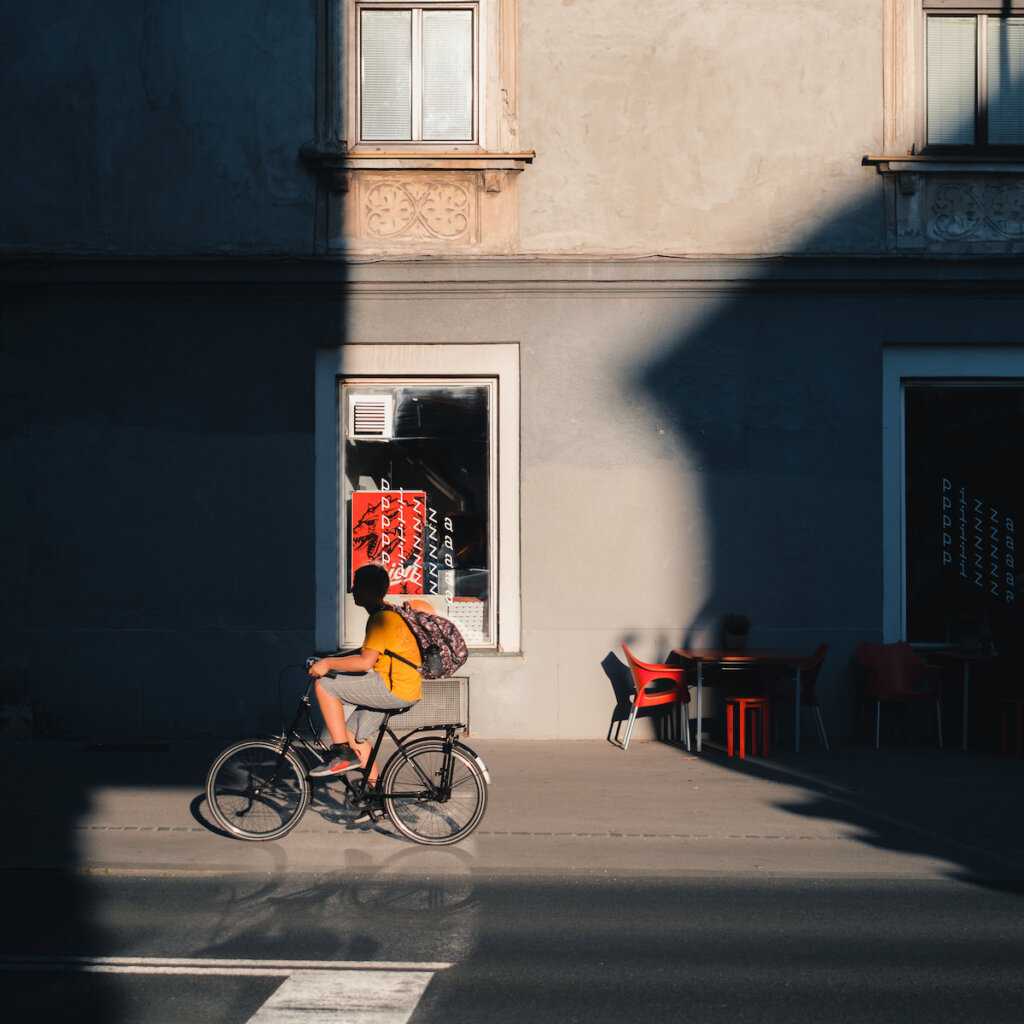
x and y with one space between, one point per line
387 527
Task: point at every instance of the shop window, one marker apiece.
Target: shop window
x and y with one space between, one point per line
963 446
419 494
432 429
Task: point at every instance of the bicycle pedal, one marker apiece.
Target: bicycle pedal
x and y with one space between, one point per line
370 813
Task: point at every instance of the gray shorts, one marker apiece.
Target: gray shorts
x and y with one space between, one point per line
361 694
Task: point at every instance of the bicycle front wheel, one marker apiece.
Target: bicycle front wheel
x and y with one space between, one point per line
255 793
420 807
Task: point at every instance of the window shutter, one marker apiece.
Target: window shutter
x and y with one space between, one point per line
1006 81
952 59
447 75
386 75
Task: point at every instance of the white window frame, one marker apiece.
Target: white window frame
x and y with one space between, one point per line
916 363
353 629
479 9
439 364
983 11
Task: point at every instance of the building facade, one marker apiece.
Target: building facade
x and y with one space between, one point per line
593 328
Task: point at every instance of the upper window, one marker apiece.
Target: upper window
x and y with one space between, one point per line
974 75
418 72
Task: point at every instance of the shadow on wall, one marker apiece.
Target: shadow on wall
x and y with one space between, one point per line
158 411
775 400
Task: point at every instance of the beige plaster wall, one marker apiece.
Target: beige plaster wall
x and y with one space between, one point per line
682 126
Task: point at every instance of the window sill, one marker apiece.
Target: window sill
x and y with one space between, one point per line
948 164
336 160
434 160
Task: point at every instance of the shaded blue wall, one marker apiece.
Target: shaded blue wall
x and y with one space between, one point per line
156 127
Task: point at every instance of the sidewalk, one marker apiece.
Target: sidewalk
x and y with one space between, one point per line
555 807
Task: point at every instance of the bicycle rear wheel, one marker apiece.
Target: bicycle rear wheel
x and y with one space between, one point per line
255 793
415 801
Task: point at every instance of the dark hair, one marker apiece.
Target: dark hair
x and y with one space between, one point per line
372 576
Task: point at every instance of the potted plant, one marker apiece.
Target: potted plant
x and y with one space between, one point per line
736 629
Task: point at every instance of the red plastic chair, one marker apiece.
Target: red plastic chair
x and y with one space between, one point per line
809 669
895 673
668 685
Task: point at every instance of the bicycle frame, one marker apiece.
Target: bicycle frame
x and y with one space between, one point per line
304 713
442 790
294 732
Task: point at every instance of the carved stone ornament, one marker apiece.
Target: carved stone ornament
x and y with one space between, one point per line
975 211
413 210
438 209
953 206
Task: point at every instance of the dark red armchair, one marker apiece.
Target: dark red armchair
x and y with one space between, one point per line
777 688
896 674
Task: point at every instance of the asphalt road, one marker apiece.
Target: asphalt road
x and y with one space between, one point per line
848 885
124 948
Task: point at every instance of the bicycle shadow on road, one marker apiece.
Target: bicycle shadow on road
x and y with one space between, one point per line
331 808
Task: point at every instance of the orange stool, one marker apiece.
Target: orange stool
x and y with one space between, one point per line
744 706
1006 708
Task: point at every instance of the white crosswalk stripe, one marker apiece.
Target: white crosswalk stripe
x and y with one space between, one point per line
355 997
328 991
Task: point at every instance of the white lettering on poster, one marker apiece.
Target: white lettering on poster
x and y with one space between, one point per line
978 539
413 547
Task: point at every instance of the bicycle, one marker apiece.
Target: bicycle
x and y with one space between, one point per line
433 789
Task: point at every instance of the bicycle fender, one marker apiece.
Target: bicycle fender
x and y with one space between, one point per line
476 757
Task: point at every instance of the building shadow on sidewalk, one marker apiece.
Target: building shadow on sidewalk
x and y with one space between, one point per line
950 805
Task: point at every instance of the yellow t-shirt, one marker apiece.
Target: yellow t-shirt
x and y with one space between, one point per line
387 631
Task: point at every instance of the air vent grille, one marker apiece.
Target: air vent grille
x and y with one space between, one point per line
371 416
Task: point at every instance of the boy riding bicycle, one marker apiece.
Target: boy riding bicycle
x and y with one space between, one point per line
371 681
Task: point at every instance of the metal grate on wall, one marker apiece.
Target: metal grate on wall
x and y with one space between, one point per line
371 416
443 701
